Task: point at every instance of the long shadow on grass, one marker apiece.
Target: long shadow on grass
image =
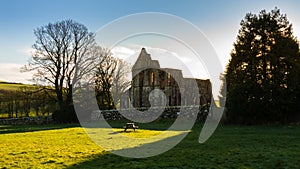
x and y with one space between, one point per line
229 147
178 157
110 160
5 129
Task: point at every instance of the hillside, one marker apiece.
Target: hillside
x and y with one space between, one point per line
11 85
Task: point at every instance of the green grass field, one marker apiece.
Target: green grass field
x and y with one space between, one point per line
11 86
68 146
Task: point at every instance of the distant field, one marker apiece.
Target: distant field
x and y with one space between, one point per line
11 86
68 146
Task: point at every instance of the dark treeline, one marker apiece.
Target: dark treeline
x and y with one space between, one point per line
26 101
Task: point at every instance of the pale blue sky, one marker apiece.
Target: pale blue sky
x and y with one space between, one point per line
219 21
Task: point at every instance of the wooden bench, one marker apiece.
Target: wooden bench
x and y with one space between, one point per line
130 126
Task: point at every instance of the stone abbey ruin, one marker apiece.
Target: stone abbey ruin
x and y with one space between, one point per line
148 75
163 93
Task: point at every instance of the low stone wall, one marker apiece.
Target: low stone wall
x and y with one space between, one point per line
114 115
168 113
27 120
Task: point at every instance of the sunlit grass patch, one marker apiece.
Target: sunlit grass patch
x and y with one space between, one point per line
60 148
46 149
144 133
116 139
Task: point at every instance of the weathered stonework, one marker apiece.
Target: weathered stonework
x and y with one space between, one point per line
148 75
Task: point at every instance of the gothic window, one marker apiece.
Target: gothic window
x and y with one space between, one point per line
162 80
152 78
169 79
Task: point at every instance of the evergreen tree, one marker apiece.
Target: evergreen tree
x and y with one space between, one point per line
262 79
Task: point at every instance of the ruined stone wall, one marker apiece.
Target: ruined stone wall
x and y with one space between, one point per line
150 79
147 76
173 87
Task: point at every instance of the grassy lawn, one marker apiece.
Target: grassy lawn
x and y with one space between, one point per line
68 146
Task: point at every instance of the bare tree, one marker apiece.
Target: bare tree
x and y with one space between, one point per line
111 79
61 48
120 83
104 78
